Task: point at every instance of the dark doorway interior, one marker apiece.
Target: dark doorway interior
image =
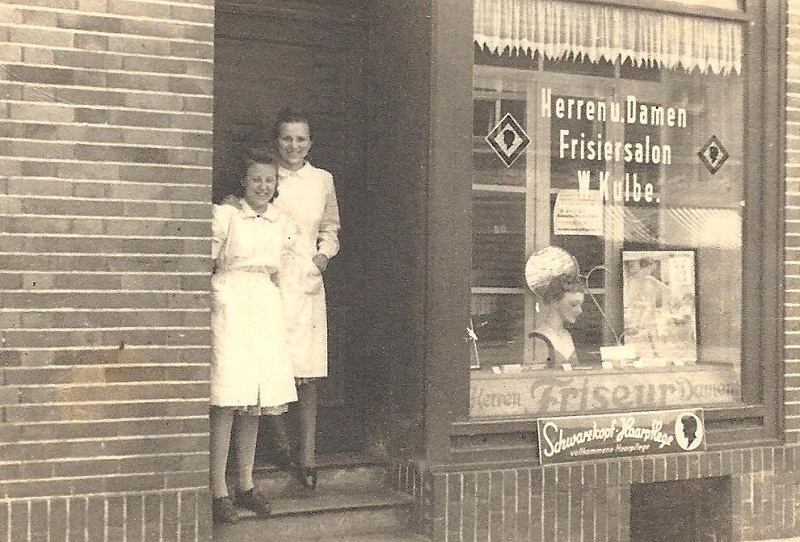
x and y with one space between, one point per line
310 55
682 511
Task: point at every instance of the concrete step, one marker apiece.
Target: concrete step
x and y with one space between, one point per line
352 502
345 471
328 515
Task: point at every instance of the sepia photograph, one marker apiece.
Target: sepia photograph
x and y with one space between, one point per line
399 270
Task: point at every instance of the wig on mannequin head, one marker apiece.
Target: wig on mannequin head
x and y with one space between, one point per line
558 287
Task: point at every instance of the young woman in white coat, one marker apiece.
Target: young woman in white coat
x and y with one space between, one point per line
308 197
251 374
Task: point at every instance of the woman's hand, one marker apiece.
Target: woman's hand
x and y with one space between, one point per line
321 261
233 201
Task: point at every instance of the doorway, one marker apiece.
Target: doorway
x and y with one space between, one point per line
308 55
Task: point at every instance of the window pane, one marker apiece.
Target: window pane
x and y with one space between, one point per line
498 239
499 321
637 172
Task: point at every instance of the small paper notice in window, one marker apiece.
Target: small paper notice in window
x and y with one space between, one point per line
578 212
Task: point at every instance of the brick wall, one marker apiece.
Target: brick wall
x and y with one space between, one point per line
591 501
792 240
105 184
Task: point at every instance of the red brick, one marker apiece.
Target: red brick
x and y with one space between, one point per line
38 528
9 395
188 511
191 50
549 496
153 513
58 521
563 476
469 505
134 512
20 516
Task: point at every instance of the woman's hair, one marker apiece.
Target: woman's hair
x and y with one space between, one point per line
260 155
558 287
287 115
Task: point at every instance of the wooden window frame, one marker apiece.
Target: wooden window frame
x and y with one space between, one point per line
454 441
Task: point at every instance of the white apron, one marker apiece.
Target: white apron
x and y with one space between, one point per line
249 366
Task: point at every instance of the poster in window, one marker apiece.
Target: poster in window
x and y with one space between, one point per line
659 299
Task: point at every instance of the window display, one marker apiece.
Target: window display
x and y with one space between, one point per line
634 170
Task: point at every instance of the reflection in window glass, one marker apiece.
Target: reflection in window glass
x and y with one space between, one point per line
630 169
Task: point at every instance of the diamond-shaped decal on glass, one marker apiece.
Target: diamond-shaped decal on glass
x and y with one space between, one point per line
508 139
713 154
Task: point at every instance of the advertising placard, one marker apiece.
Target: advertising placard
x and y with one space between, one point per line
582 438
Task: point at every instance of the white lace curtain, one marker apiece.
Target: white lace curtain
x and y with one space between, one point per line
554 28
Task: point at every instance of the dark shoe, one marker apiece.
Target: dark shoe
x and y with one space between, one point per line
308 477
254 500
223 511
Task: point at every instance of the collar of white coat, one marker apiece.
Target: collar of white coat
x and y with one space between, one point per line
270 213
304 170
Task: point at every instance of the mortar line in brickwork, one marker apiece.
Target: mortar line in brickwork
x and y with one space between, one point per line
110 217
109 421
112 16
40 88
112 273
27 159
115 310
447 507
99 291
85 218
108 255
516 500
104 236
143 365
107 476
101 348
119 402
104 144
86 515
158 436
461 507
58 48
115 35
104 384
169 75
101 127
104 457
161 520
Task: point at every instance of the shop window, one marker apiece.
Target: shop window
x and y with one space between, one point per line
636 169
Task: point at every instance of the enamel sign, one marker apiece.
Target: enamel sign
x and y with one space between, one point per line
581 438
